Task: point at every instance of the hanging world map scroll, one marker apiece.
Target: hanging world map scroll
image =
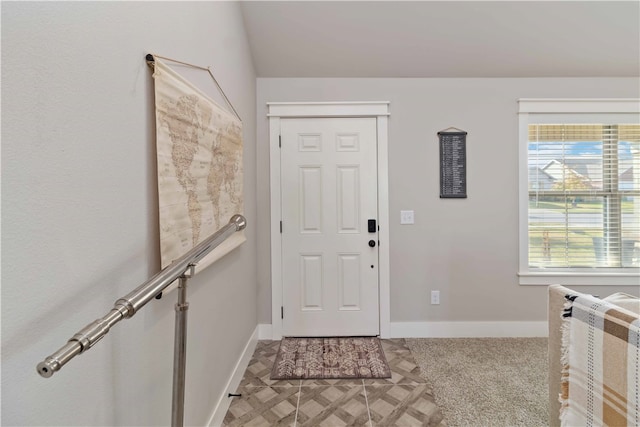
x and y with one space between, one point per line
199 150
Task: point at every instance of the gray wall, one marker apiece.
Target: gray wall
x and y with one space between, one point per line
467 249
79 210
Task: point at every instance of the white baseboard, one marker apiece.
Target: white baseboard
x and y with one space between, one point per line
468 329
224 401
264 331
453 330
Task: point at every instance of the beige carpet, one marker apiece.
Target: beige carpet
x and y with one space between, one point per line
486 381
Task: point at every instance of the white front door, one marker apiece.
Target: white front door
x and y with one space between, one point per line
329 248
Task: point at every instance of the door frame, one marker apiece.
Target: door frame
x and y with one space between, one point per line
375 109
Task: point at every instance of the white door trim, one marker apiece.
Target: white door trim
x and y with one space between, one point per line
378 110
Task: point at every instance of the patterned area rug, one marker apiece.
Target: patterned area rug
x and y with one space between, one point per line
330 358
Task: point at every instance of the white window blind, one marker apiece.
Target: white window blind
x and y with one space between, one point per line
583 195
580 192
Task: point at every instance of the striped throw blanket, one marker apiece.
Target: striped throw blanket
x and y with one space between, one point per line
601 361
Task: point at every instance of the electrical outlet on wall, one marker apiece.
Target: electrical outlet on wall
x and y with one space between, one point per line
435 297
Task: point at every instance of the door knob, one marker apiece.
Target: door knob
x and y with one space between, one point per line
372 243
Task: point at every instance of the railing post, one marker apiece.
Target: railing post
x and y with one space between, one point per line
180 351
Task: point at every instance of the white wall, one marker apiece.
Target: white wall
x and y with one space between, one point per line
79 210
467 249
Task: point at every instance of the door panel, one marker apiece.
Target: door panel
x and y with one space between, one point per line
311 199
349 284
348 199
311 282
329 191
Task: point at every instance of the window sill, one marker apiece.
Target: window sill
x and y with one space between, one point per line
575 278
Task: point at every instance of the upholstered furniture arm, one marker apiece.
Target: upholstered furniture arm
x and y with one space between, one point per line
555 306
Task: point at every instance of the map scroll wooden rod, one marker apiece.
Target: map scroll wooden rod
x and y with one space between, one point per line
450 129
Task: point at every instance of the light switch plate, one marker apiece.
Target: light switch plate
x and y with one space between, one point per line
406 217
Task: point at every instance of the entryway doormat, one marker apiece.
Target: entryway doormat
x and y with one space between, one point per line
330 358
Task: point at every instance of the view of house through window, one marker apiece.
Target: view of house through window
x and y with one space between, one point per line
584 195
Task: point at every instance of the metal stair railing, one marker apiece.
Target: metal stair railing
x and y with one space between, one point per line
125 307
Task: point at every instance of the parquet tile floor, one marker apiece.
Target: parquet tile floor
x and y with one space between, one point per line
405 399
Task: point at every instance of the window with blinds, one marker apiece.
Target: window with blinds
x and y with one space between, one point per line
583 195
579 191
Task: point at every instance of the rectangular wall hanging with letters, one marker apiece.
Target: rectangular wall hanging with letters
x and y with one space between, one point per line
453 163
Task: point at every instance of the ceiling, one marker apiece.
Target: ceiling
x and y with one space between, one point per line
444 38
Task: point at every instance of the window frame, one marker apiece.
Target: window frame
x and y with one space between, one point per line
539 111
